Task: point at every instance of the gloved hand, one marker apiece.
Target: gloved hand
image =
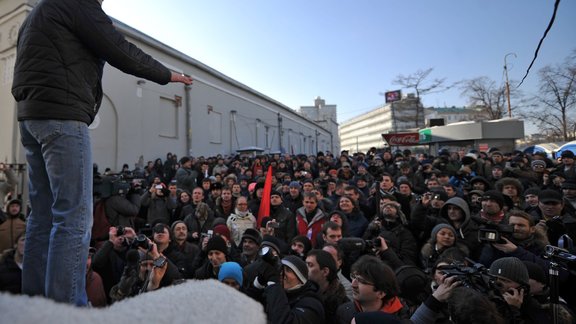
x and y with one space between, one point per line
267 273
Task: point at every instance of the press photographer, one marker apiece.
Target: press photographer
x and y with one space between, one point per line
110 259
397 245
146 270
526 241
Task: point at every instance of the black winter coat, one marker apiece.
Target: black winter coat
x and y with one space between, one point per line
60 61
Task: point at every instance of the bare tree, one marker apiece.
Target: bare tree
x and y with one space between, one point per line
419 83
554 108
484 93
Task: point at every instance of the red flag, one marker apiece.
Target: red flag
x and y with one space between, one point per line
264 210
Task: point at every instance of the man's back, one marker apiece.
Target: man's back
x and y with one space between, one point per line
62 47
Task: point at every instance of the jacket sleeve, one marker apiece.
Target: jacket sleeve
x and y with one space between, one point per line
92 25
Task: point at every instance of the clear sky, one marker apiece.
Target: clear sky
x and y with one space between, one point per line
348 52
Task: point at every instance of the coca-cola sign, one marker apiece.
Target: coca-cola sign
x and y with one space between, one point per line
402 138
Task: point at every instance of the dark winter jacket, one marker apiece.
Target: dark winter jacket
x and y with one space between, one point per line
299 306
59 62
10 273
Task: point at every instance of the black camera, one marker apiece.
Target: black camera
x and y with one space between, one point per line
476 277
351 244
140 241
267 255
494 233
120 230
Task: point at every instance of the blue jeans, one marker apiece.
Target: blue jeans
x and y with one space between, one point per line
59 226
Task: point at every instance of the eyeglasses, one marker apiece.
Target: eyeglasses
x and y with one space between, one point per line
355 276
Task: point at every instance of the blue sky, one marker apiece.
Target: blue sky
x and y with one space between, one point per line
349 51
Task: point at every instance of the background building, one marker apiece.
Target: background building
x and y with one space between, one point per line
455 115
361 133
325 116
140 120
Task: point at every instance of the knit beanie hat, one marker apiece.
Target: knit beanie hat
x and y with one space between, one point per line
440 226
253 235
273 242
176 223
295 184
222 230
494 195
538 163
298 266
216 243
230 270
510 268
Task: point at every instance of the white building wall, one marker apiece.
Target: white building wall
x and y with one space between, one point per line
138 118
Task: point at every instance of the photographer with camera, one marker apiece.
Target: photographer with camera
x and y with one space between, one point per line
109 261
158 205
527 241
393 242
146 270
426 214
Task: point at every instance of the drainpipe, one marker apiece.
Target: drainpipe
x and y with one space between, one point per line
188 113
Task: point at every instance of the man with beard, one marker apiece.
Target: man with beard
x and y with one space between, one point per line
188 250
398 246
527 242
251 241
322 270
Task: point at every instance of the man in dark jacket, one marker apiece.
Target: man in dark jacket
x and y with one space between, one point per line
61 50
291 297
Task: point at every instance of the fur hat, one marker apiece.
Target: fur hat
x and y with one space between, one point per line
298 266
230 270
510 268
216 243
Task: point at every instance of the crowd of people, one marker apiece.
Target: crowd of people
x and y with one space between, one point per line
386 236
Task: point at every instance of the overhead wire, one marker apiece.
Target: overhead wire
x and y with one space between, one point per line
541 41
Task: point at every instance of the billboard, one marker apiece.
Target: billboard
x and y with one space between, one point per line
392 96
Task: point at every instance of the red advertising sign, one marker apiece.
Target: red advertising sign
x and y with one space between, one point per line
402 138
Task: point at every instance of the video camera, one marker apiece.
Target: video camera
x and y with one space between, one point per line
475 276
493 233
354 244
